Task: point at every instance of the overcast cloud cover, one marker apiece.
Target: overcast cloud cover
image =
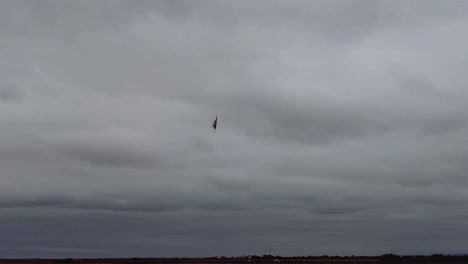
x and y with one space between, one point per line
342 130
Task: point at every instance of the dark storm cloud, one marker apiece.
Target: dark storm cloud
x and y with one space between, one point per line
342 128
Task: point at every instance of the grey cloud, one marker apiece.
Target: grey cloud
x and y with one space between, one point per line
10 93
112 153
323 124
134 202
81 203
309 121
339 124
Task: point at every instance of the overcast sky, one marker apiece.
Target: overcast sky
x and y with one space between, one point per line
343 128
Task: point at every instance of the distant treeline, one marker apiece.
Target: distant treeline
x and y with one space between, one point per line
387 258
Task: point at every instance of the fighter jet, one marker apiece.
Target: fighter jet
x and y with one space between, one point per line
215 123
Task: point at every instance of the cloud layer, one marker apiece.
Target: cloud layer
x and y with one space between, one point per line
342 128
